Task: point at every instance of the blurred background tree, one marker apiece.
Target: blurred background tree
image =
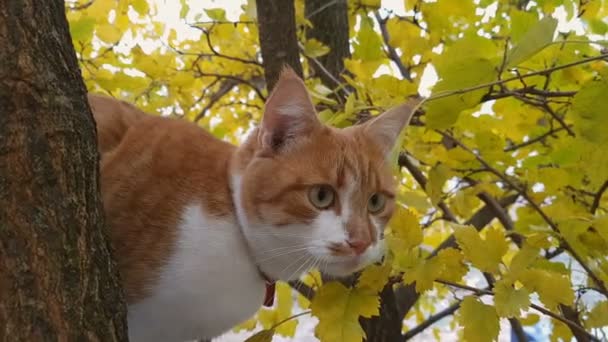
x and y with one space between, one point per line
503 219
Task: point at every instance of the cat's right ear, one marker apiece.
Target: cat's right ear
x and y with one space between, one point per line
288 114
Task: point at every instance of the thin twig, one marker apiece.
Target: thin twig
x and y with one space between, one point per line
224 89
443 94
390 50
533 140
598 196
598 281
482 292
431 320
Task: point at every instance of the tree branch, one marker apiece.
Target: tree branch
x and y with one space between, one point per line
541 137
598 197
482 292
431 320
390 50
598 281
224 89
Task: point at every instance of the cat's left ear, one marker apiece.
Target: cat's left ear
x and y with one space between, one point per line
289 114
385 128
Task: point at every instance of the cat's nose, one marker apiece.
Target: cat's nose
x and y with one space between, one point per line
359 245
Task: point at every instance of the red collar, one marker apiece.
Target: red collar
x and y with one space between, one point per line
270 289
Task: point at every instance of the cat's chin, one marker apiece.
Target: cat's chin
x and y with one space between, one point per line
343 268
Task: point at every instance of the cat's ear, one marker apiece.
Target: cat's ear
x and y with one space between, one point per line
385 128
289 113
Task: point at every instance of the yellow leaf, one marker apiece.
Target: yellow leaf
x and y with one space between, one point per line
405 232
530 319
438 175
284 310
479 320
453 265
374 278
261 336
523 259
509 301
269 318
108 33
483 254
338 309
140 6
598 316
560 331
248 325
424 274
552 288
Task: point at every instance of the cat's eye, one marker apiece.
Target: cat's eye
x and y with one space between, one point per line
321 196
376 203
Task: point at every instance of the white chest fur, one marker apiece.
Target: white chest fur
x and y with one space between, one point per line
209 284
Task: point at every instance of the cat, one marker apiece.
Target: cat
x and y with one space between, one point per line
198 225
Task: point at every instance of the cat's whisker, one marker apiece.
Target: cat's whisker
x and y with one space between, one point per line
283 254
287 247
311 257
293 262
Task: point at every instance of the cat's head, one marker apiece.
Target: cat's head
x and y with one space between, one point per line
309 195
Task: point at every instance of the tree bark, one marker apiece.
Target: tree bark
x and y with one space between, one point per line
386 327
330 27
58 281
278 40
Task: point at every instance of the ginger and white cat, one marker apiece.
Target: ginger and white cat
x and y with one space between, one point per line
197 224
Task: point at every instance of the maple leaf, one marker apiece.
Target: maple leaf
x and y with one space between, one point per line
339 308
510 301
479 320
483 254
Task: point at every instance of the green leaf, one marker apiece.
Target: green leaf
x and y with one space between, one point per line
479 320
82 29
216 14
314 48
458 73
185 8
533 41
368 46
590 108
520 22
261 336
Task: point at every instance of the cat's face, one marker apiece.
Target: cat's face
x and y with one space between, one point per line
311 195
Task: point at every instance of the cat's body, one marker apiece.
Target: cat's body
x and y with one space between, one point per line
166 186
197 224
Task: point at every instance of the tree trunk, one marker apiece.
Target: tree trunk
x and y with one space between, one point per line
58 281
278 40
386 327
330 27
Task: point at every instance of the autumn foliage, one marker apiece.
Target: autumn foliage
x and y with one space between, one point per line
503 174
